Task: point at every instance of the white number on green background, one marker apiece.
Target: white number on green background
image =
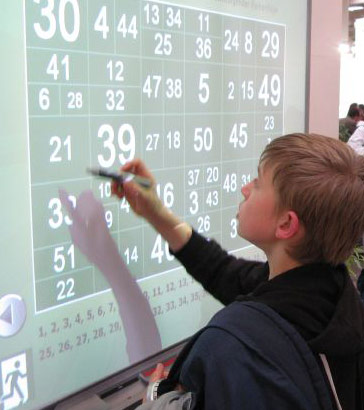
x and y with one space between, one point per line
126 145
47 31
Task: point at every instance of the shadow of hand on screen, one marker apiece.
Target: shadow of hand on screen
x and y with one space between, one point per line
90 234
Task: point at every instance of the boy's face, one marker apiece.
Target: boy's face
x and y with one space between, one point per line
258 216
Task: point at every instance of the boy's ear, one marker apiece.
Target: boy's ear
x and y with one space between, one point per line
288 225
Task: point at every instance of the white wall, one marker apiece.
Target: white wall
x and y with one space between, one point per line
324 87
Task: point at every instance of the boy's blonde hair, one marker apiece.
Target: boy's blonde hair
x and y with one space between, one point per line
322 180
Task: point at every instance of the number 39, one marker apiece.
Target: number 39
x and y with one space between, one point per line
106 132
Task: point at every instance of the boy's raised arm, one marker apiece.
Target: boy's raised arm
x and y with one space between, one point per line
221 274
145 203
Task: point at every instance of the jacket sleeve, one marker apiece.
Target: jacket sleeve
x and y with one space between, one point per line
222 373
221 274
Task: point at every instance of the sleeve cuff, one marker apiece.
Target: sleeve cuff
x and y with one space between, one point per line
192 250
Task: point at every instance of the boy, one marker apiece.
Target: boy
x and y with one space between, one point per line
292 333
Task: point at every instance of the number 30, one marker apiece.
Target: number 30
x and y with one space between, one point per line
48 13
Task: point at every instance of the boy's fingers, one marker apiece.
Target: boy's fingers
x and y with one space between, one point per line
137 167
117 189
136 194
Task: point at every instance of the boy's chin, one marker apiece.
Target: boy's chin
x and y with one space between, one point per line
250 239
247 237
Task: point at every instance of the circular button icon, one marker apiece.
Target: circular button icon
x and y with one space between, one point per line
12 315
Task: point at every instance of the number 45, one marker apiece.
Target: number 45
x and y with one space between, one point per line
239 135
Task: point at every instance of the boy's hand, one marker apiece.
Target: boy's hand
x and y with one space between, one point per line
160 374
144 201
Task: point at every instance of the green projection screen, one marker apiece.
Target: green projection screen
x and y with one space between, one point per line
196 89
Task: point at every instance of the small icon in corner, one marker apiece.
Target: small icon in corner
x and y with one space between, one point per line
12 315
14 382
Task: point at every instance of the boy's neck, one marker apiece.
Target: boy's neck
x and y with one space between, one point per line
280 262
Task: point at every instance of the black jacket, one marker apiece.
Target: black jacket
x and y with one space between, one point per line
319 300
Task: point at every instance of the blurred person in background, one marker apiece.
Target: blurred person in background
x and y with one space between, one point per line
347 125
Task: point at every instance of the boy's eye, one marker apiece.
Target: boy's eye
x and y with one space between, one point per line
255 182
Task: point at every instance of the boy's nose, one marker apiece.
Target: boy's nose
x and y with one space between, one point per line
245 190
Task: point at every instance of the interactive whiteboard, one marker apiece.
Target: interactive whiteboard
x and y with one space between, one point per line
194 88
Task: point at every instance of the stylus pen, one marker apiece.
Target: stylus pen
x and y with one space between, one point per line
121 177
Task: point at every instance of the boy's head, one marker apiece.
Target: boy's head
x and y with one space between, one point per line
322 181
